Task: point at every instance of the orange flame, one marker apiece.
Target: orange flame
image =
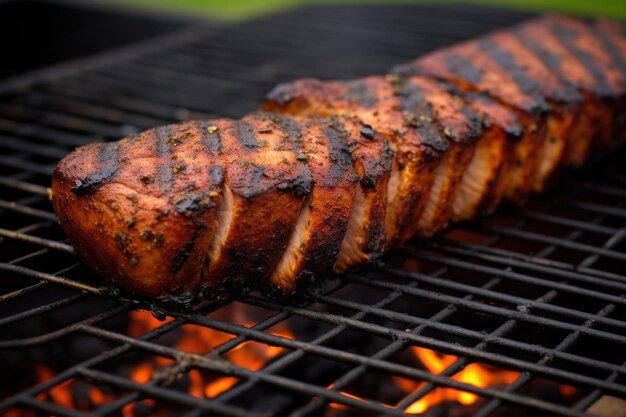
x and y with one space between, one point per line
476 374
63 394
189 338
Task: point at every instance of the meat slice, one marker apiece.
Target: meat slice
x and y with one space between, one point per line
511 74
373 100
485 181
430 129
536 78
427 101
322 222
266 184
143 210
574 54
366 238
469 69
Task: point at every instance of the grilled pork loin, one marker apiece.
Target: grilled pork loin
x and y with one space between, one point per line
334 173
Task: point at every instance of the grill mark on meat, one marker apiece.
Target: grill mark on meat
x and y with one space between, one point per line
375 167
210 140
475 124
565 37
360 93
552 61
508 63
538 37
164 174
246 135
108 166
551 84
511 125
462 66
339 153
610 48
292 139
418 115
455 119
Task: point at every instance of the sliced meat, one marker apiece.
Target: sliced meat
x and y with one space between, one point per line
430 130
574 53
485 180
374 101
266 184
476 66
321 225
428 104
365 239
344 170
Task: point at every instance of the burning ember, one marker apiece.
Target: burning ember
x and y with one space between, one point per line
76 394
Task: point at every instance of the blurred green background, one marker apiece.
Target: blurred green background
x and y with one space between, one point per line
244 9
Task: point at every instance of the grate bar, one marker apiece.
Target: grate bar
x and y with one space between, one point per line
298 353
562 221
460 331
13 206
594 395
394 347
15 162
525 378
47 243
29 273
161 393
598 208
124 99
232 343
485 308
24 186
554 241
516 276
298 386
16 144
439 345
71 372
53 409
520 302
44 308
457 366
22 291
223 366
556 268
47 101
43 133
534 264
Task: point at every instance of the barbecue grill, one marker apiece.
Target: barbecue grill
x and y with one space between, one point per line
538 294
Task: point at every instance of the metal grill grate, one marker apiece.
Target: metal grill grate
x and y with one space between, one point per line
540 291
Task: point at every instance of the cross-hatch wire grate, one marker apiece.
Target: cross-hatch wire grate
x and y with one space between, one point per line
539 291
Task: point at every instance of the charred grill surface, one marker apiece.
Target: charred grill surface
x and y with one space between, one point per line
350 169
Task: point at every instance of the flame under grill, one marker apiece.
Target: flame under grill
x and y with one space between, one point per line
480 317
